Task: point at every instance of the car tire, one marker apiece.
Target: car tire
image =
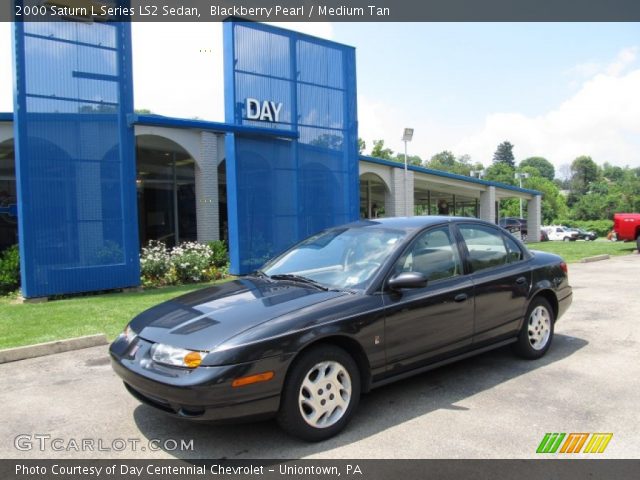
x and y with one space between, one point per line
566 239
316 412
638 243
537 330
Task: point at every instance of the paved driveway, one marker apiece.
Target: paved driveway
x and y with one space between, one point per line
490 406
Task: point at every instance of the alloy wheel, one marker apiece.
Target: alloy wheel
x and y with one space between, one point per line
539 330
325 394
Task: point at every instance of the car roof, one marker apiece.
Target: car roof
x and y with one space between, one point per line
412 223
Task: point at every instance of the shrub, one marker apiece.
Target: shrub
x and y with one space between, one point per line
191 262
155 264
219 253
10 270
186 263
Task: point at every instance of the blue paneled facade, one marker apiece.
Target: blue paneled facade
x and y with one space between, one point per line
281 190
291 149
75 159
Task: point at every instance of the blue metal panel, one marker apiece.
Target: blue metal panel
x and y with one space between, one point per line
280 190
75 158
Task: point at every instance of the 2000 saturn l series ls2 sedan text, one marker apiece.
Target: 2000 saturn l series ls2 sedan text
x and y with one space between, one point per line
351 308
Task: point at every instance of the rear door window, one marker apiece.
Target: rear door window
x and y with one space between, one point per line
485 245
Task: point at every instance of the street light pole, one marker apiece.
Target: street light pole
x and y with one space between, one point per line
406 137
520 176
406 188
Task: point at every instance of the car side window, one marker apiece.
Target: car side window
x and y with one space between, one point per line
485 246
514 254
434 254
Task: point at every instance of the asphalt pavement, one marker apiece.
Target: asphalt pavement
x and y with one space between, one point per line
71 405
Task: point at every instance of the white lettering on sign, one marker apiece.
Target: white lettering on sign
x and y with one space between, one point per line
265 110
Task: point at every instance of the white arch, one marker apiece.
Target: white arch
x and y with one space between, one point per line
381 171
189 140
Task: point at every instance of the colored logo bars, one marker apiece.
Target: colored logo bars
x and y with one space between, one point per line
573 443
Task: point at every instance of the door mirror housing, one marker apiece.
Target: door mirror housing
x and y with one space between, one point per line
407 280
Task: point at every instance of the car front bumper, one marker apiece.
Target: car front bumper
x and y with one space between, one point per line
203 393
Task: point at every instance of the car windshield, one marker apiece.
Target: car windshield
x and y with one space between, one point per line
342 258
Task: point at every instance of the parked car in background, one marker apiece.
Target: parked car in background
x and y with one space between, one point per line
584 234
561 233
514 224
349 309
627 227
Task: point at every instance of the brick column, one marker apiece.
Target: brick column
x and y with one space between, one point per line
534 218
396 199
207 189
488 205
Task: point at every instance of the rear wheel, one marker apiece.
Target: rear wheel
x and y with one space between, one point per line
320 394
638 243
537 330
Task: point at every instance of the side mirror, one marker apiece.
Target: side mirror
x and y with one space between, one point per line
407 280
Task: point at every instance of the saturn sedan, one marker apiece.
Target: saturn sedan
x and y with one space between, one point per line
349 309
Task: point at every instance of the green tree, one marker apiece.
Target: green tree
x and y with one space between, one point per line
501 172
362 146
504 154
583 171
444 160
411 159
613 173
379 151
544 167
596 206
447 162
554 204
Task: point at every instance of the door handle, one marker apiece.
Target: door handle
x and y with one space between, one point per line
521 281
461 297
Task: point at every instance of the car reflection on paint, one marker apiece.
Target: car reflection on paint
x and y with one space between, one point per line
347 310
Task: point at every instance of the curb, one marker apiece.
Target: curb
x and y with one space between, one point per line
49 348
596 258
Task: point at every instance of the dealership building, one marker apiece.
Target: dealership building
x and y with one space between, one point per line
85 181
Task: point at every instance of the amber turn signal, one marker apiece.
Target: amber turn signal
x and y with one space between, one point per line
259 377
192 359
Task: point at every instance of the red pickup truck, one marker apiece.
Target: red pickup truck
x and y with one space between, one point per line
627 227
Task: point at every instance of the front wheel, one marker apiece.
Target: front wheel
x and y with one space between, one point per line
537 330
638 243
566 239
320 394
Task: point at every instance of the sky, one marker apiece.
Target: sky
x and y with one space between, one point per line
557 90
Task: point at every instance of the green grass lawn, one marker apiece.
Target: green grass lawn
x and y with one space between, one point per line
27 324
576 251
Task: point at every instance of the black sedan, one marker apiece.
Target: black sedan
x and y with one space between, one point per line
584 234
347 310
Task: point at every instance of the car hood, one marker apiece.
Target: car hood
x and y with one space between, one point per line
205 319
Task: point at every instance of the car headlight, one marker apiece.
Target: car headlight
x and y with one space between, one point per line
128 334
177 357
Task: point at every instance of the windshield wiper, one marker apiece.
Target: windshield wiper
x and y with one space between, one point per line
260 273
298 278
